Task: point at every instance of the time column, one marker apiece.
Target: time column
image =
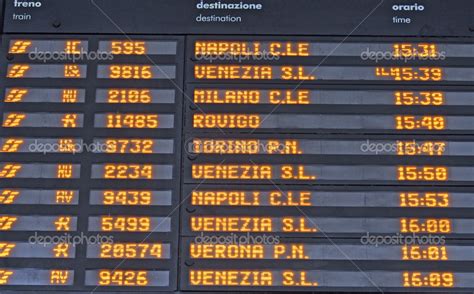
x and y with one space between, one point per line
134 175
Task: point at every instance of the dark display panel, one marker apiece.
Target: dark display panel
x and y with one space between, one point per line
304 146
72 184
287 144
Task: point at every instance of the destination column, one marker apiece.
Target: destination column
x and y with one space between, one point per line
315 152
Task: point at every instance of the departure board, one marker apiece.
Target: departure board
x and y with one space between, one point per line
266 146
